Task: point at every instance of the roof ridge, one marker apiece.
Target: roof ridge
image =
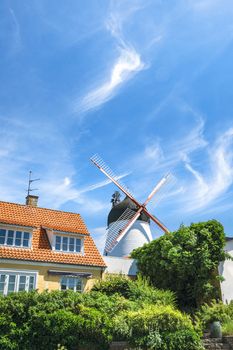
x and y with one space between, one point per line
29 206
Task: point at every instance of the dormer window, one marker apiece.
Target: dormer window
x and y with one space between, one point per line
68 244
15 238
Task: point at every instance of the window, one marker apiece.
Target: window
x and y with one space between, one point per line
15 238
68 244
16 282
72 283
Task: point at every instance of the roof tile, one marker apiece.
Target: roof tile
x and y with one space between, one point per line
38 218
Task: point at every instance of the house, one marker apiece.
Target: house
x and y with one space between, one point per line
45 249
226 271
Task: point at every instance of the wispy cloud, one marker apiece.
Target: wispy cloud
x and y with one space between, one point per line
101 184
158 155
210 186
62 190
124 68
16 35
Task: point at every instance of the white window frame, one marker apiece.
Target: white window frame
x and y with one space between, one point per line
17 274
15 229
68 237
78 291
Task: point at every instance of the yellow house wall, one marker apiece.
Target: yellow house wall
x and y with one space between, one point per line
52 282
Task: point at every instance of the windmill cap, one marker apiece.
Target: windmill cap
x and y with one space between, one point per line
119 209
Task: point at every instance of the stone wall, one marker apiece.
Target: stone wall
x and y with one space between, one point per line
225 343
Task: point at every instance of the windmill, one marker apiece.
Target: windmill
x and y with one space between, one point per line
128 217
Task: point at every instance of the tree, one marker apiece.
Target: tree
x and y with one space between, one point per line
186 262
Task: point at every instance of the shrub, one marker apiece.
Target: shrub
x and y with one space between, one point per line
139 290
92 320
186 262
157 327
182 340
227 328
41 321
216 311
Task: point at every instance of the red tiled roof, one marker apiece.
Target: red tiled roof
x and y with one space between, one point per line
25 215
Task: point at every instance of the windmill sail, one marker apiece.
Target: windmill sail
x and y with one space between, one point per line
116 228
121 227
99 162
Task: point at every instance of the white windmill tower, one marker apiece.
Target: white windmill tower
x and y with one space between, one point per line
128 220
135 237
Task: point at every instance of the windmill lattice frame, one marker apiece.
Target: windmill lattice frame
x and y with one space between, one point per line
129 215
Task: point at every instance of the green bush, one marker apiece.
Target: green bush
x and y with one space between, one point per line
216 311
180 339
73 321
41 321
157 327
186 261
227 328
139 290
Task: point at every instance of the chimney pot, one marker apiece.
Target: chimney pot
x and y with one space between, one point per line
32 200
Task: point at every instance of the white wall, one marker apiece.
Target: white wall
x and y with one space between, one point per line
116 265
136 236
226 270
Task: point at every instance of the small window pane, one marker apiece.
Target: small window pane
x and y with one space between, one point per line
2 283
63 283
71 244
26 243
78 285
26 235
2 236
10 237
31 283
78 245
58 243
71 283
11 284
65 243
26 239
18 238
22 283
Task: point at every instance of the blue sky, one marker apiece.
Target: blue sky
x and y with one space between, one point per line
145 84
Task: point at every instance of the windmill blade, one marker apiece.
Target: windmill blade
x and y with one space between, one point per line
164 191
159 185
115 228
128 225
156 220
98 161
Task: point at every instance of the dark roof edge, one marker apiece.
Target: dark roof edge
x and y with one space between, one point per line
54 262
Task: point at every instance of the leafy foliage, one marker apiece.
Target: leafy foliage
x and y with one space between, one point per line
186 262
68 320
157 327
227 328
216 311
139 290
41 321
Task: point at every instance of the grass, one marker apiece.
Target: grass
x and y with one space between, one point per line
227 328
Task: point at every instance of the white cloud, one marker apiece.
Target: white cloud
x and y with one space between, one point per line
101 184
124 68
210 186
58 192
158 156
16 35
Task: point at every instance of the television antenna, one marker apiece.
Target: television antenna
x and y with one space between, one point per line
30 181
127 219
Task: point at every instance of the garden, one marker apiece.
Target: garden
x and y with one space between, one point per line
173 301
